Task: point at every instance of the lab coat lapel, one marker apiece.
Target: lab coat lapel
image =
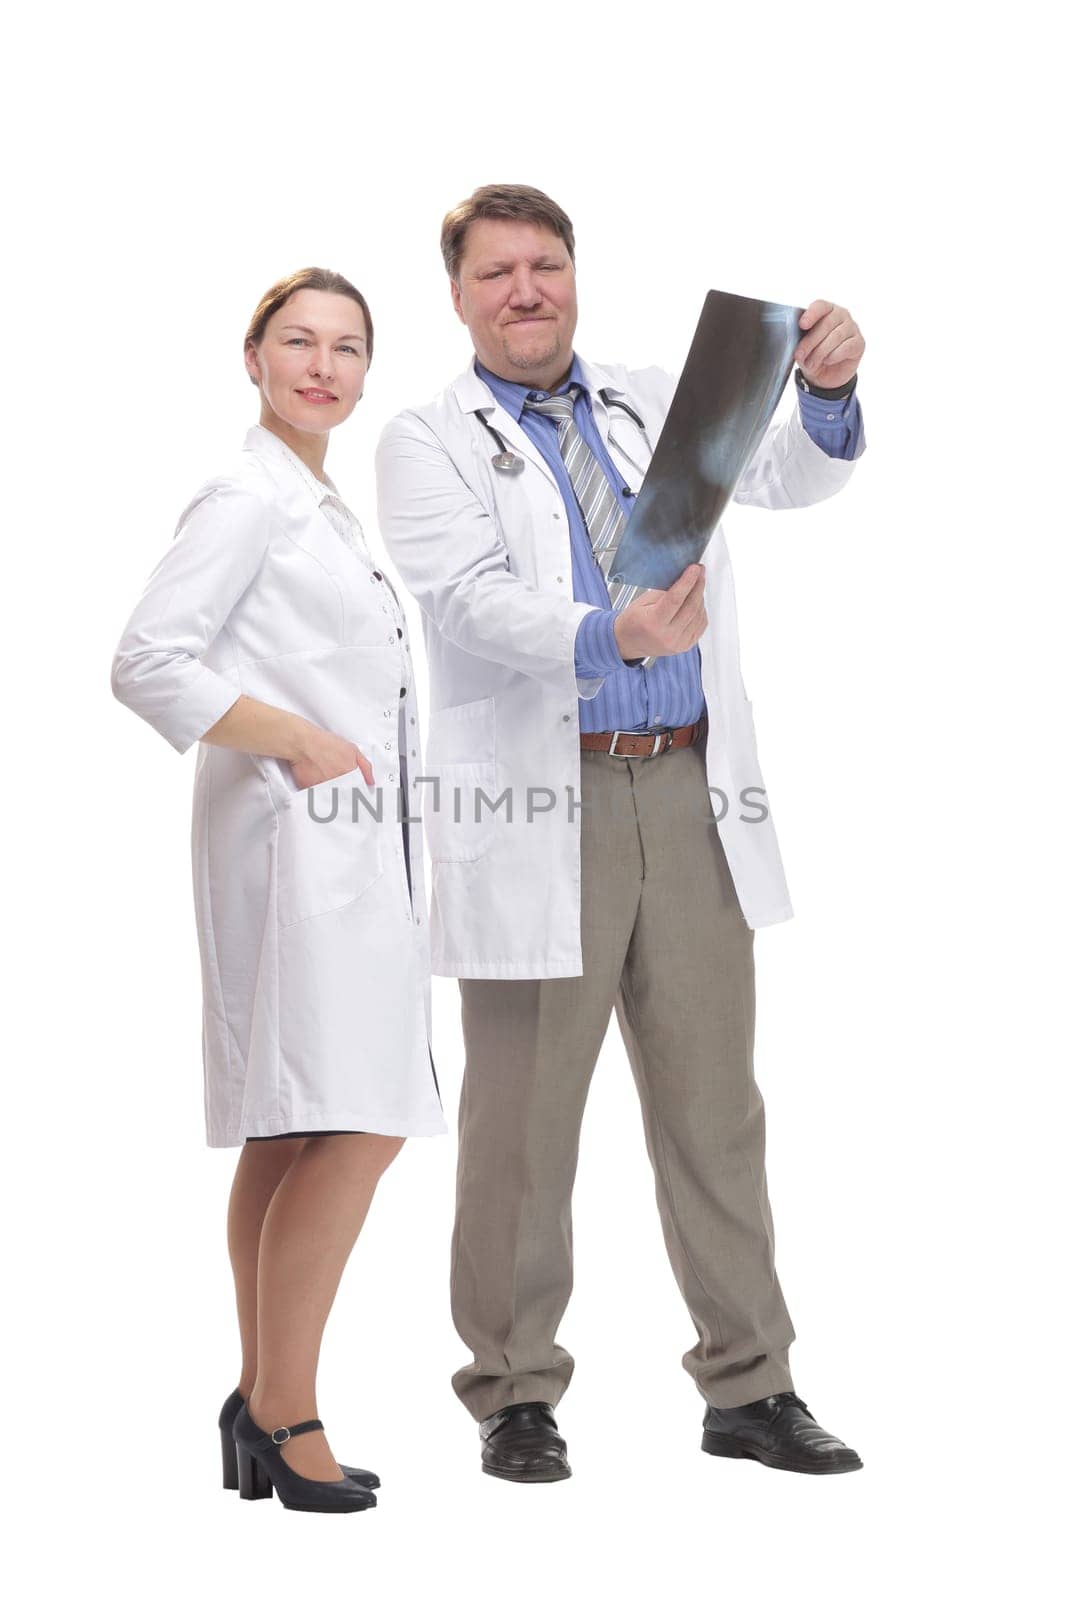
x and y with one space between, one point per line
630 449
302 499
473 395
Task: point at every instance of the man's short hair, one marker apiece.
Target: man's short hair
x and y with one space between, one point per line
514 201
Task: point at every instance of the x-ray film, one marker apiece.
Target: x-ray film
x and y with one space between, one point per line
734 375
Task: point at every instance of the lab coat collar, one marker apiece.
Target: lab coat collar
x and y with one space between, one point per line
474 394
296 479
595 379
512 395
264 443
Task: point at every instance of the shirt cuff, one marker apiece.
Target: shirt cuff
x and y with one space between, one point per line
595 651
826 414
834 425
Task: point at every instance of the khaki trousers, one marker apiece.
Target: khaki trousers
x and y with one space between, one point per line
664 942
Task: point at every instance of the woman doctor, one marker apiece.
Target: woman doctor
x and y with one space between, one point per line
268 634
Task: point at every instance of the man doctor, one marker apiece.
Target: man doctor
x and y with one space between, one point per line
599 831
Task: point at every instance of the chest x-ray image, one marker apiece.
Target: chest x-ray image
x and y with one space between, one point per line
733 378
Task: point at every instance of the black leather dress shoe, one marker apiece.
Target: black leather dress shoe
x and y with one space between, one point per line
779 1431
522 1442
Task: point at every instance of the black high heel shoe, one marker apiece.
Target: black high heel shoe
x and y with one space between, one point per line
261 1468
231 1406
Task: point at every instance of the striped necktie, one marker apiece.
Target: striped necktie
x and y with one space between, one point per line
602 513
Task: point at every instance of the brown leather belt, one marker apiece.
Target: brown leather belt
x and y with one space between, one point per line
634 746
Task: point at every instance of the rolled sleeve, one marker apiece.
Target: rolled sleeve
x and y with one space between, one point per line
596 652
157 669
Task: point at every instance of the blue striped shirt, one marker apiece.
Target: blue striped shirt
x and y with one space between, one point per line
669 694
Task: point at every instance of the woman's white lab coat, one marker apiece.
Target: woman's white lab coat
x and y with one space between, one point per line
315 960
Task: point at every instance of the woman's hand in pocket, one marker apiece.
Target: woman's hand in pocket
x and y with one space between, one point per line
328 755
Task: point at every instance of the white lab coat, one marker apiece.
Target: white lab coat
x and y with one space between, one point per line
487 557
315 961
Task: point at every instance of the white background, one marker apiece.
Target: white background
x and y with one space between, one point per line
898 643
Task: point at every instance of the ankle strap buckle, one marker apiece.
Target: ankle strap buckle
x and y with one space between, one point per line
280 1435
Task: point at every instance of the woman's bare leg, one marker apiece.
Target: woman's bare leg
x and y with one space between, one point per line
261 1166
311 1223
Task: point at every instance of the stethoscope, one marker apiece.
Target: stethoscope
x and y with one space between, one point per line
508 462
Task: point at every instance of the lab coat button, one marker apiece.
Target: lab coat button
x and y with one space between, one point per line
566 716
403 692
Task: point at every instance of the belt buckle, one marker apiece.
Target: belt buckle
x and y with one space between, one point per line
622 755
640 733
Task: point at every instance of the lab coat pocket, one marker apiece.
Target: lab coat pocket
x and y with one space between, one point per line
457 793
329 848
